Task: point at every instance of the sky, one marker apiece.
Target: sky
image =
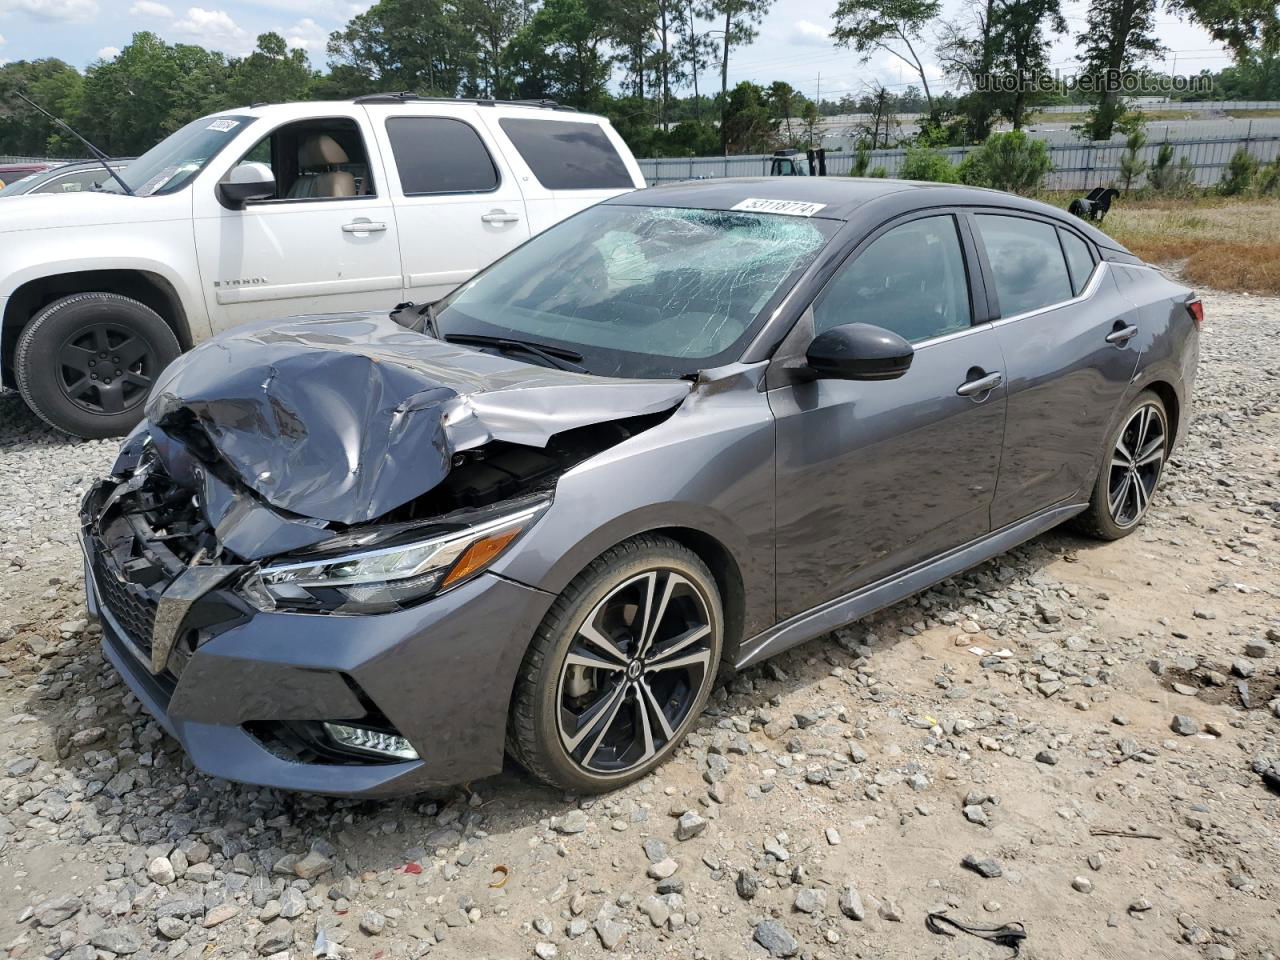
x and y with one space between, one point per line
793 43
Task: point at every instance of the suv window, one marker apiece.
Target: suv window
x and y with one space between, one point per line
1079 259
910 280
440 155
315 160
567 155
1027 262
73 182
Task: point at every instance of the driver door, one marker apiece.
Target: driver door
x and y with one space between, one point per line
874 477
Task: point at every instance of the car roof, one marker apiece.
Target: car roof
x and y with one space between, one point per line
843 197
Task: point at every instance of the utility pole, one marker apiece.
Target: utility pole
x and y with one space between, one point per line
724 81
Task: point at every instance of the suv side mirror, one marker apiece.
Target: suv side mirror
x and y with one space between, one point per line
248 181
859 351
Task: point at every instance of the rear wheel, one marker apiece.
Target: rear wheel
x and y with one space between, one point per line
1132 465
619 669
86 363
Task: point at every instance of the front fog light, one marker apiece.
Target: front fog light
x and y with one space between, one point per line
367 740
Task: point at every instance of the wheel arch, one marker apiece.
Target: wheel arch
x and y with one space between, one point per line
728 576
1172 404
145 286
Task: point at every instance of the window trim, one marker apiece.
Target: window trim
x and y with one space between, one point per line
282 201
993 296
497 171
1093 259
973 280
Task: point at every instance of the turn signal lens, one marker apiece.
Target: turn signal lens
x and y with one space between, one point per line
478 556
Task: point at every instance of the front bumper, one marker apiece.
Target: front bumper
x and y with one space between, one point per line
441 673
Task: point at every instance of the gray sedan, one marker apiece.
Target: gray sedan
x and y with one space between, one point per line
674 435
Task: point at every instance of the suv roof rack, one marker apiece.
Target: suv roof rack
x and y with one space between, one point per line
410 97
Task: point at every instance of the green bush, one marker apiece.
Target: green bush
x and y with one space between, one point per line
1131 168
1167 177
1240 173
922 163
878 171
1269 178
861 160
1007 161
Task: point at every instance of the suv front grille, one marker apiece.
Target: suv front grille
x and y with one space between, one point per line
129 606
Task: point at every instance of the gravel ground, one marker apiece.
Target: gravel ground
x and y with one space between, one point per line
1072 736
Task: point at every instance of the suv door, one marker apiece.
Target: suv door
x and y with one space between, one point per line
458 206
1071 344
876 476
325 243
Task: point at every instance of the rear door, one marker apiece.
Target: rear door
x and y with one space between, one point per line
565 162
1071 346
874 477
458 204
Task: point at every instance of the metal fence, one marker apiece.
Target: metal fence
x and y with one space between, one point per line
1079 166
1190 106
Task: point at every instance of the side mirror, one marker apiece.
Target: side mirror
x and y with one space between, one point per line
859 351
248 182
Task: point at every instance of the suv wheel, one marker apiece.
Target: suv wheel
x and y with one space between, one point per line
1131 467
85 363
620 667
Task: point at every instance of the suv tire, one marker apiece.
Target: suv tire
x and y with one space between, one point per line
85 364
649 682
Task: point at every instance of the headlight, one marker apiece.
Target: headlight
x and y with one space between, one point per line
392 578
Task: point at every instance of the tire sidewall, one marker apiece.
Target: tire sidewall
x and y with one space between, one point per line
1102 518
546 693
37 348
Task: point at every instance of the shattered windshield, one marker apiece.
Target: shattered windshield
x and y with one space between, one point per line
641 291
174 161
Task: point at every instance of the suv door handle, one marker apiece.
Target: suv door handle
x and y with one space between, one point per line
500 216
363 226
981 385
1122 335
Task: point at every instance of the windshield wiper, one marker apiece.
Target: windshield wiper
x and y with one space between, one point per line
557 357
98 155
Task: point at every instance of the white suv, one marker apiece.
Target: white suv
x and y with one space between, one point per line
272 211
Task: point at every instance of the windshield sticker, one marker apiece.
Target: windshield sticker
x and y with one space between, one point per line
223 126
792 208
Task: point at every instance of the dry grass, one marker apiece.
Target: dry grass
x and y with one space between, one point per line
1211 241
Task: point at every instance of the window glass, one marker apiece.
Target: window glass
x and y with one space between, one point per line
567 155
1079 259
74 182
911 281
174 162
440 155
641 291
314 160
1027 262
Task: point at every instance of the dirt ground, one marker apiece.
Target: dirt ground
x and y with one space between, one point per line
1023 713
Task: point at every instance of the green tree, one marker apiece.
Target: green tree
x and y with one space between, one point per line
1131 166
740 19
1238 178
1120 34
895 26
924 163
1022 47
861 161
1167 177
271 74
809 114
1248 27
695 50
781 97
748 127
54 85
563 53
419 45
494 24
967 51
1007 161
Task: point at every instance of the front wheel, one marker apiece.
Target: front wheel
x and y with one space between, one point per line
1131 468
620 667
86 363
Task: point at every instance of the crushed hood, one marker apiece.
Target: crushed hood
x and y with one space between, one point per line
346 418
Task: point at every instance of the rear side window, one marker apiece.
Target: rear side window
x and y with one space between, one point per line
1027 261
566 155
440 155
1079 259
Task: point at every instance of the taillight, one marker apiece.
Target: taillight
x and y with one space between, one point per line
1196 309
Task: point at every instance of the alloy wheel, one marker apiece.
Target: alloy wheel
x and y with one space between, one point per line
633 671
1136 463
106 368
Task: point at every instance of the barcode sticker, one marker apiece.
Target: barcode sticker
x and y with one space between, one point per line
792 208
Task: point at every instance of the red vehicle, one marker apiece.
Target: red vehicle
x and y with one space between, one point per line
9 172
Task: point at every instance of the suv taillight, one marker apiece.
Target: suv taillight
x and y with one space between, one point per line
1196 309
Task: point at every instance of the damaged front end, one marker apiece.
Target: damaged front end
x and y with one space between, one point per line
288 479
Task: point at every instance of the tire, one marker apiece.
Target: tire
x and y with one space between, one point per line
551 687
70 376
1103 519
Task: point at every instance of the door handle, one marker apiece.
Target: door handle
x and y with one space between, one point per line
363 226
1122 335
983 384
500 216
